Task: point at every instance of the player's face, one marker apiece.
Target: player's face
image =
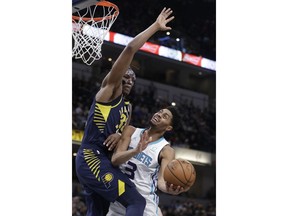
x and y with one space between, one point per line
128 81
162 119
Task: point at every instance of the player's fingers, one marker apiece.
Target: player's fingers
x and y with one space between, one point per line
141 147
112 146
108 142
170 188
147 141
179 188
145 135
168 11
142 138
108 138
169 19
145 144
163 10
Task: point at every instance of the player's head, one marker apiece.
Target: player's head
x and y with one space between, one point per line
166 119
176 120
128 81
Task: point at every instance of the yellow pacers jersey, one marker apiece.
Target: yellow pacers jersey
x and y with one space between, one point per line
104 119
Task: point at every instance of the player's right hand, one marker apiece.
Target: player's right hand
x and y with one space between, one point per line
112 141
174 189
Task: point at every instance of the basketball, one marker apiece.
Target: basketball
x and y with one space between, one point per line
180 172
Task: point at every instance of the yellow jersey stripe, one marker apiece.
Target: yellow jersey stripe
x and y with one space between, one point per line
121 187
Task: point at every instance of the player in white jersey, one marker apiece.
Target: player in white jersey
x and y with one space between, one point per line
142 155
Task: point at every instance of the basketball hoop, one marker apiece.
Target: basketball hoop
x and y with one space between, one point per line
89 29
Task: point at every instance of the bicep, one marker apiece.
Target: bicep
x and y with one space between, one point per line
167 154
121 65
108 93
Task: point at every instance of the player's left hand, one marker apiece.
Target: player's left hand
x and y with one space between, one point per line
174 189
144 141
163 19
112 141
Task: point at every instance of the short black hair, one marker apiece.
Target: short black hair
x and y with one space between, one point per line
176 119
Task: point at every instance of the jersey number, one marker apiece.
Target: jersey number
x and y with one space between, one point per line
130 169
123 119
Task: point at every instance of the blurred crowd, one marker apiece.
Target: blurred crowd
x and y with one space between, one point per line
78 206
194 24
175 206
198 130
189 207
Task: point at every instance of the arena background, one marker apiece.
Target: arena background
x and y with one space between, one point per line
36 108
161 81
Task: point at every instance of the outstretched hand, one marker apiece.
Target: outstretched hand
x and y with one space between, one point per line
174 189
144 141
163 19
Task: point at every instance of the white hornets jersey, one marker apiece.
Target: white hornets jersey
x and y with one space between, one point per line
142 169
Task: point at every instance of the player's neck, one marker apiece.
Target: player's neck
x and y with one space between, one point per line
154 133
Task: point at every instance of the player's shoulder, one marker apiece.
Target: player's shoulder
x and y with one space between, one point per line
168 149
130 127
167 153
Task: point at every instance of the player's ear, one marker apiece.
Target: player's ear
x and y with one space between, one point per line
169 128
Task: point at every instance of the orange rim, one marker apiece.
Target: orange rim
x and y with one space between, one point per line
104 4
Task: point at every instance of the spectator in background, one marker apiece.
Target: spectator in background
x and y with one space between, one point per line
78 207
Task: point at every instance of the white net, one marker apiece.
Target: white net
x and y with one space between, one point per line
89 29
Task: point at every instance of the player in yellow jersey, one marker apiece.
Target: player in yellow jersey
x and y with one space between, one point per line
103 183
128 81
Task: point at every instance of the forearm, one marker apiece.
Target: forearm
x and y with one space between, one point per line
124 60
137 42
172 189
162 186
123 156
159 24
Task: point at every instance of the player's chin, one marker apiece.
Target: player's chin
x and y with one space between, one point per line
126 91
152 123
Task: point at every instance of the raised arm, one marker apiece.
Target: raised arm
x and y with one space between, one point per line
130 114
111 85
121 153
